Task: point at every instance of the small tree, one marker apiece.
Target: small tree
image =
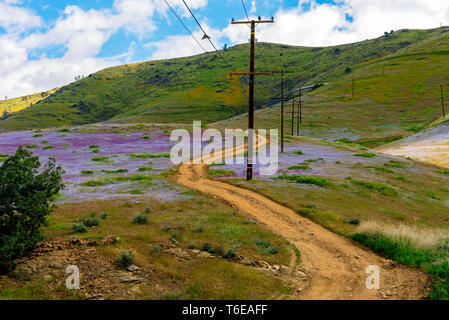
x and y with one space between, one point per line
26 196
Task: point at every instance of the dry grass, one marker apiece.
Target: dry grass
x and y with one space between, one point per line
420 237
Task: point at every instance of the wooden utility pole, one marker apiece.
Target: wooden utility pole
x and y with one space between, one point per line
252 74
283 72
442 100
293 114
300 112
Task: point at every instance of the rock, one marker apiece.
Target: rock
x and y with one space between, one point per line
301 274
204 254
92 243
276 267
48 278
77 242
388 293
284 269
128 278
383 295
133 268
136 290
110 240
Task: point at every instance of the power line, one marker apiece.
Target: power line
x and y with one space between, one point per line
244 8
185 26
205 36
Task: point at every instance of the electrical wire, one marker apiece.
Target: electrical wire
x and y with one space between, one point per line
185 26
205 34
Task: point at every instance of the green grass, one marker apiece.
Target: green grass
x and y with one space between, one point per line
149 156
221 172
306 180
365 155
381 188
433 261
139 178
115 171
304 167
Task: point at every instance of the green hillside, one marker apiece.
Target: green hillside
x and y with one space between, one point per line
394 96
198 88
10 106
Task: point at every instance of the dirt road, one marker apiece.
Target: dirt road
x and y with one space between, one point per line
335 266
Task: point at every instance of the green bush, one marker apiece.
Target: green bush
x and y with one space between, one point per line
25 201
91 221
79 228
207 247
140 219
104 215
125 259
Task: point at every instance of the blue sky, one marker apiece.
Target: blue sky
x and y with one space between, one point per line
45 44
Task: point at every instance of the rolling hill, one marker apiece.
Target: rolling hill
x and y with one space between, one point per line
11 106
395 96
186 89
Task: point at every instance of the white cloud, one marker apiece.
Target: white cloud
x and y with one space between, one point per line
184 45
82 33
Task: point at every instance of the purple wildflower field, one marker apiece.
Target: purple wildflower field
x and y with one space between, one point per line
102 153
316 159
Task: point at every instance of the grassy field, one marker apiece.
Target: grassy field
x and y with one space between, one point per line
191 224
186 89
396 206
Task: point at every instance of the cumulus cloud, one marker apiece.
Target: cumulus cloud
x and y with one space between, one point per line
82 33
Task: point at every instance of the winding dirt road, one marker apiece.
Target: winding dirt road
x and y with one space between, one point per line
335 266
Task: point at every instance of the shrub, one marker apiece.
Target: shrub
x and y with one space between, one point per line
166 228
140 219
104 215
79 228
155 248
230 254
191 246
354 221
25 200
207 247
125 259
220 251
94 146
147 210
145 169
299 152
198 229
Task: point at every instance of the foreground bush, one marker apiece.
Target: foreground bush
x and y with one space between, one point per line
125 259
25 201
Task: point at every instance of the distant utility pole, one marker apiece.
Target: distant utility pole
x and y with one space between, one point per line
353 85
300 111
252 74
283 72
293 114
296 114
442 99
